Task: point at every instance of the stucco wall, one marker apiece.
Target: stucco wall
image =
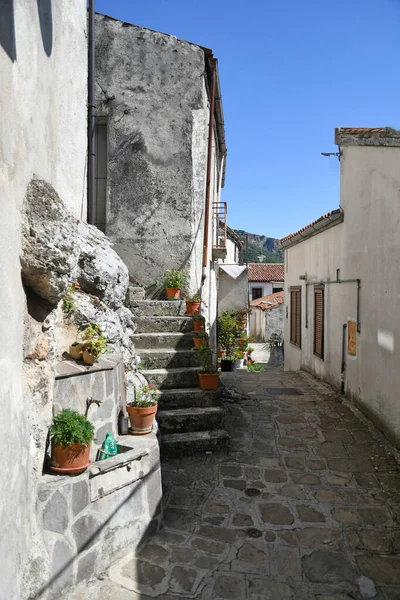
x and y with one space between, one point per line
364 246
43 104
151 88
274 321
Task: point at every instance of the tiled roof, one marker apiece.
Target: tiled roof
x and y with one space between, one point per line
368 132
270 301
266 272
311 225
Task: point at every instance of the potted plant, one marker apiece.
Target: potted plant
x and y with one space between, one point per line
250 350
174 281
71 434
198 338
228 331
241 317
198 322
193 304
143 409
95 343
76 350
243 341
209 375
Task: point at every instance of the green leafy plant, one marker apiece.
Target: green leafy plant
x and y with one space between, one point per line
70 427
255 367
68 304
145 396
198 317
228 330
174 278
250 350
195 298
205 355
95 339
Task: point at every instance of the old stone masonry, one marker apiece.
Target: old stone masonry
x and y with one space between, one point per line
305 506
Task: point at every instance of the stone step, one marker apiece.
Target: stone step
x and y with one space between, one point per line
182 420
166 358
171 341
184 377
187 398
177 444
135 295
164 324
158 308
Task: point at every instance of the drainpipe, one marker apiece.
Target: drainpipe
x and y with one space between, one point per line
209 167
343 366
91 120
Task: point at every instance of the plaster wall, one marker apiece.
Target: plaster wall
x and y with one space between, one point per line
232 293
43 98
151 90
365 246
257 323
274 321
266 287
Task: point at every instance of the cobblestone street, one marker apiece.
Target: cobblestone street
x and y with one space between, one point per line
305 506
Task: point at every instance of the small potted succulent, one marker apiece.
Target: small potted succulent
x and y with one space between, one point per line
142 410
174 281
208 376
193 304
71 434
199 322
95 343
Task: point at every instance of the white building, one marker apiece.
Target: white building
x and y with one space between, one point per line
265 279
342 289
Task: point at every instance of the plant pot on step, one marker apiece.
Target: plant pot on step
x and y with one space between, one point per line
208 381
76 350
71 434
141 418
192 307
221 354
198 325
71 459
173 293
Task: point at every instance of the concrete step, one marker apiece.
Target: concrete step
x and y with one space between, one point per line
183 420
187 398
178 444
165 358
158 308
135 295
184 377
171 341
164 324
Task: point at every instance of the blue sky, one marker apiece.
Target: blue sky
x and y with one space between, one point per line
290 73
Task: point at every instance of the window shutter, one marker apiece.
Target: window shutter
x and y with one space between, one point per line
319 322
295 316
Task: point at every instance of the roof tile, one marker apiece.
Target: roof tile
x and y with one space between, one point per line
270 301
266 272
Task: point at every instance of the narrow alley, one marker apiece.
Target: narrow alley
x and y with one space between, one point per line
306 505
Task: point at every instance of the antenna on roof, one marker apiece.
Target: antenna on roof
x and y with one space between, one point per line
260 258
338 154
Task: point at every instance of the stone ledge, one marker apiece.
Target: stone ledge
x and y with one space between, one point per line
72 368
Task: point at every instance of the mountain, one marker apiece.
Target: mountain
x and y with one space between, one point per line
260 245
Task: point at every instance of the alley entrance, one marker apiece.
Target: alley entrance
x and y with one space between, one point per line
305 506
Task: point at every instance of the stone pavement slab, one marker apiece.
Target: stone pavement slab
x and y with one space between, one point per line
306 506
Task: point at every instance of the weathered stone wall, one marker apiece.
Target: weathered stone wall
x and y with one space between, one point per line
151 89
274 323
43 107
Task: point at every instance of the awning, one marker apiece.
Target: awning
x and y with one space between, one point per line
233 271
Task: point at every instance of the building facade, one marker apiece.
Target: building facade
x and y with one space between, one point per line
265 279
342 291
267 317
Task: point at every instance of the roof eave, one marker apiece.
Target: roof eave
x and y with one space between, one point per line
336 217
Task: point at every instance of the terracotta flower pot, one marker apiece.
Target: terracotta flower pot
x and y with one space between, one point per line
242 344
173 293
71 459
192 307
243 324
221 353
76 351
197 342
198 325
208 381
142 418
88 357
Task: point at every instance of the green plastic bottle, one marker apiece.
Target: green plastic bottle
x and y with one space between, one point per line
109 447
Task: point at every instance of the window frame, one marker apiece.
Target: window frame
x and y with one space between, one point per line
258 297
319 290
295 316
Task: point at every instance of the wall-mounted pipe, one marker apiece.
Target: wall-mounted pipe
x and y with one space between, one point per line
343 365
91 170
358 281
209 166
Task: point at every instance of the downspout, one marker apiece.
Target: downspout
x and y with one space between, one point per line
343 366
91 183
209 167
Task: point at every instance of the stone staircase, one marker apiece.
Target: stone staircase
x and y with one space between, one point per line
190 419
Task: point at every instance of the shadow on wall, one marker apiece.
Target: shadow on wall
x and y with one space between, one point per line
7 27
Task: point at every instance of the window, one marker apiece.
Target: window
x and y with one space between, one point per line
319 322
277 289
256 293
101 174
295 316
